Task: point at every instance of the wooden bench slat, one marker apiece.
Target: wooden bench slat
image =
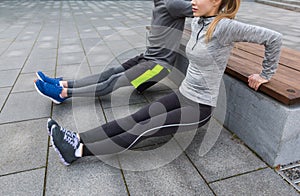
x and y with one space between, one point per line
289 58
275 88
284 74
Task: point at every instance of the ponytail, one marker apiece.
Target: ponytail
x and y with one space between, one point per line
227 9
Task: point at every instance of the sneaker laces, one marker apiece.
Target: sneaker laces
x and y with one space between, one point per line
70 137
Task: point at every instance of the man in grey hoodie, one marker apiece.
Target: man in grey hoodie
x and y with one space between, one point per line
141 72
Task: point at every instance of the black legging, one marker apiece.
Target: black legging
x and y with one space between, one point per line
165 116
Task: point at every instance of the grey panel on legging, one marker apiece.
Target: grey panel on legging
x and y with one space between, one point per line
100 89
96 78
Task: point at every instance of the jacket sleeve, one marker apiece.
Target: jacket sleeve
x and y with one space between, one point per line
230 31
179 8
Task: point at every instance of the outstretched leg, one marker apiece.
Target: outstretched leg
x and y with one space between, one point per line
120 135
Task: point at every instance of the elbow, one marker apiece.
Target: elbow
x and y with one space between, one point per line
277 39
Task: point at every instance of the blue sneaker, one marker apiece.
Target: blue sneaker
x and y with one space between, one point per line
49 90
65 143
44 78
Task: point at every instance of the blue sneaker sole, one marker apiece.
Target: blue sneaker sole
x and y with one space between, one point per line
38 76
38 90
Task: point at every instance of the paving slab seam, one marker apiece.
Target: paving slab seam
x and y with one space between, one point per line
51 110
46 167
198 171
13 39
27 170
240 174
19 92
10 92
102 110
195 167
19 121
57 44
123 176
78 32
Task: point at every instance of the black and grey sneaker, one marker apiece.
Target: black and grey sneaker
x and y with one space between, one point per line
65 143
50 123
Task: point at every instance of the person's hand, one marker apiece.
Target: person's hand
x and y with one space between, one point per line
255 80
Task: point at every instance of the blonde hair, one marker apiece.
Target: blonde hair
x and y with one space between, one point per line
227 9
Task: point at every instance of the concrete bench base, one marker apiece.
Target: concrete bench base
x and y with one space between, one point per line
268 127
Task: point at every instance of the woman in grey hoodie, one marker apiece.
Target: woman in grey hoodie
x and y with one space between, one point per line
214 32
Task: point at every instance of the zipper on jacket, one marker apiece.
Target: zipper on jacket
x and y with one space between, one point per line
198 35
203 25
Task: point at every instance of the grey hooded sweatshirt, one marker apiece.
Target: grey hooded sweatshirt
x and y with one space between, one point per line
166 30
207 61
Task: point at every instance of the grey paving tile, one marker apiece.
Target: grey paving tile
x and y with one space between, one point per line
25 183
101 68
15 53
43 53
70 41
25 46
79 114
26 37
46 45
98 47
92 34
127 55
11 63
24 146
8 78
2 49
47 38
261 182
228 157
176 178
122 97
101 58
75 71
71 58
25 106
35 64
118 47
3 95
106 33
64 49
25 83
87 176
90 43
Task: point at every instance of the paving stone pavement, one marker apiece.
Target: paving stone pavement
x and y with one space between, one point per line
77 38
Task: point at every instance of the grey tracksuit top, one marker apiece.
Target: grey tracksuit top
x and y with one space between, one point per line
166 30
207 61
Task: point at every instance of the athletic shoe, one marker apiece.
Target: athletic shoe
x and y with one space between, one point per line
65 143
49 90
50 123
44 78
